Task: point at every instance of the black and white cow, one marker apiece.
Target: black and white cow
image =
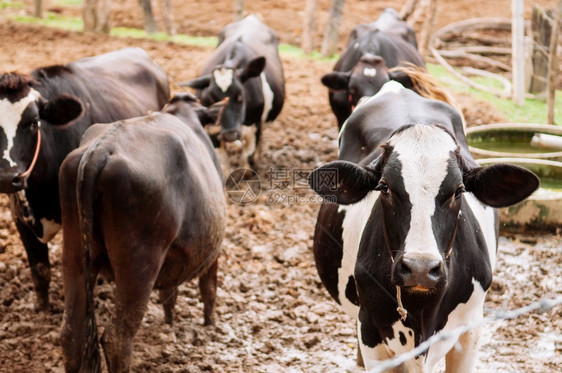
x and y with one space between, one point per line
373 48
414 221
245 69
33 108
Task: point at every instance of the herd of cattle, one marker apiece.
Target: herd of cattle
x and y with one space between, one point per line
98 147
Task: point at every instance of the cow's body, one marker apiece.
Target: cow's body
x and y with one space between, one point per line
245 68
143 199
105 88
363 67
406 221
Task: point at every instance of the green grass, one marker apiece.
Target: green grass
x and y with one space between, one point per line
52 20
11 4
64 3
532 111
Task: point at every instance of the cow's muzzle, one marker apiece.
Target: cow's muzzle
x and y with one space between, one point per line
12 181
230 136
419 273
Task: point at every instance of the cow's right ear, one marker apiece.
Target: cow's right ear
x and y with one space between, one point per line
343 182
61 110
198 83
402 78
253 69
336 80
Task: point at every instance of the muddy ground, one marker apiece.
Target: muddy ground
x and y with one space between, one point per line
273 314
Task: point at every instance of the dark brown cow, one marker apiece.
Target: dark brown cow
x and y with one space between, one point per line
143 200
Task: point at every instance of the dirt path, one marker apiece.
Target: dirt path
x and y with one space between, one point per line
273 313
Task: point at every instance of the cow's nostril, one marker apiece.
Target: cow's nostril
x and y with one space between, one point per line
18 182
436 271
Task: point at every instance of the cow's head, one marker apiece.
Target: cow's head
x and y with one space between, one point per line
421 178
228 82
364 80
22 113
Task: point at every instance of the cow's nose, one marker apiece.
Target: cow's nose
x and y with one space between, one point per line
10 181
418 273
19 182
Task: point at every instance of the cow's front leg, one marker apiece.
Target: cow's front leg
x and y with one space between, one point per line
249 143
462 357
38 257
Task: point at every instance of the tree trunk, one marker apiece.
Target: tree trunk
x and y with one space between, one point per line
552 64
330 42
408 9
427 28
95 15
149 22
239 6
168 17
518 52
38 11
309 26
541 32
89 15
103 10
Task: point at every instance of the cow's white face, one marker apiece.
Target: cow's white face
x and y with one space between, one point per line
16 116
223 78
421 184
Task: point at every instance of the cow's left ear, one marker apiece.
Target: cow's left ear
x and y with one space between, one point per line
336 80
500 184
343 182
61 110
198 83
253 68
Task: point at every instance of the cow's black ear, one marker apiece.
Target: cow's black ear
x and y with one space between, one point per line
336 80
198 83
343 182
500 184
402 78
210 114
253 68
61 110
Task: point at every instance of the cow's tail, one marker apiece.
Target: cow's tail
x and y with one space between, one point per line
89 168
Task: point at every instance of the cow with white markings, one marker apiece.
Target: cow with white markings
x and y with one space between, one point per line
42 118
244 72
409 247
372 49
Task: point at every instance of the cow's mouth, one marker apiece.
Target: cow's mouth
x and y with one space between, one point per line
419 289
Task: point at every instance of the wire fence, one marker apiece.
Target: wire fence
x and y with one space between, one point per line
541 306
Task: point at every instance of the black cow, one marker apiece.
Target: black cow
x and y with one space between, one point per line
415 227
143 199
362 69
105 88
246 70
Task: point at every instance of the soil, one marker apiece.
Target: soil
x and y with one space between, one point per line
273 313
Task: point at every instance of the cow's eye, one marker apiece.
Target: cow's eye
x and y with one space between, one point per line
34 124
460 190
382 187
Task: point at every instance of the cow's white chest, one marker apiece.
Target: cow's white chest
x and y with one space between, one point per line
267 97
354 222
11 115
401 342
50 229
463 314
